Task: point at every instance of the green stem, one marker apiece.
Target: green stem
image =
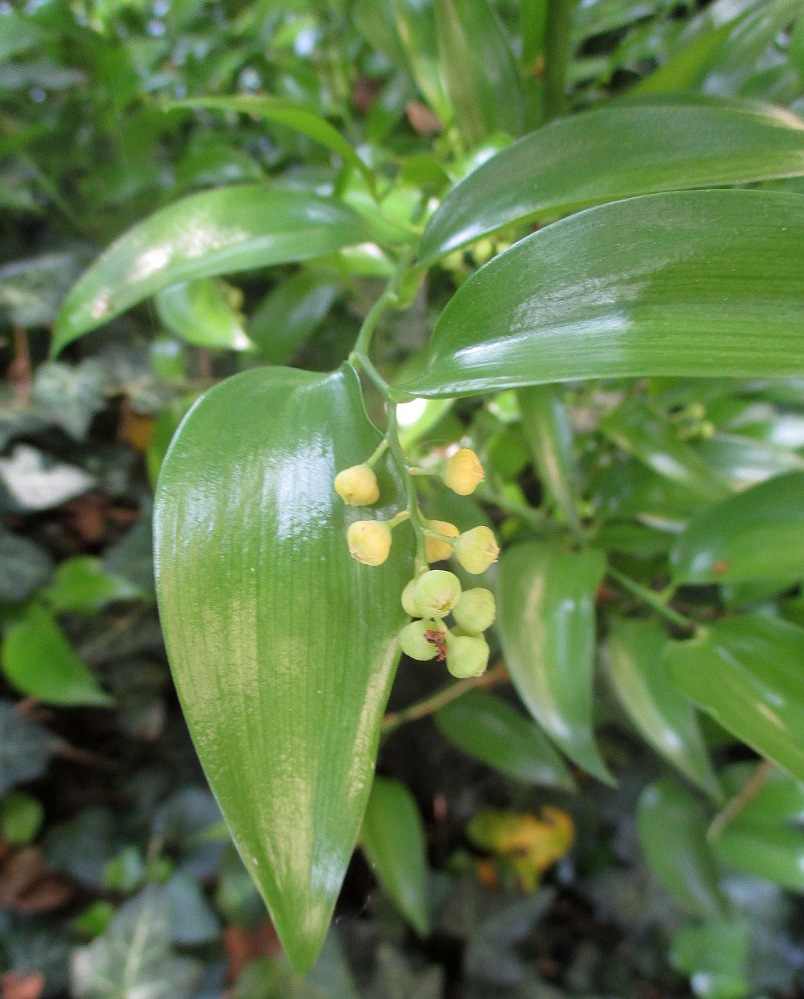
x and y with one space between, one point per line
556 57
413 500
536 521
652 599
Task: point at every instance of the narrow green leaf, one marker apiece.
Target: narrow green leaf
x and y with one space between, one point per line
644 687
757 534
686 67
282 647
745 672
39 661
676 298
289 314
741 462
200 313
416 26
393 840
546 619
215 232
768 851
481 76
616 152
779 798
493 732
672 824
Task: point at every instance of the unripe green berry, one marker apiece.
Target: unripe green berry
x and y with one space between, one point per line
357 485
369 541
475 611
409 604
477 549
467 656
414 642
436 592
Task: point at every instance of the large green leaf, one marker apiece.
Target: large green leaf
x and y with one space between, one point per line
757 534
745 671
769 851
393 840
546 600
616 152
216 232
282 647
648 286
643 685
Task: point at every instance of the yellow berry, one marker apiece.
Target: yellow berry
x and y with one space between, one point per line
467 656
475 611
357 485
369 541
409 604
464 472
437 550
436 592
477 549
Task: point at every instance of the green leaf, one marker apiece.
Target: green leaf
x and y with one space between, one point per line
283 112
289 314
745 672
757 534
200 313
780 798
715 955
741 462
546 619
80 585
612 153
416 27
21 818
647 286
644 687
282 647
768 851
672 824
25 748
479 71
491 731
393 840
39 661
222 231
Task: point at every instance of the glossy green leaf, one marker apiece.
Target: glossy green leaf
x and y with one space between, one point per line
715 955
201 313
616 152
283 112
491 731
481 76
547 430
393 840
282 647
546 619
745 671
775 852
38 660
757 534
215 232
289 314
416 27
779 798
672 824
674 299
741 462
644 687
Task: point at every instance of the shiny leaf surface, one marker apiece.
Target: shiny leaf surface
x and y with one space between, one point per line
746 673
674 299
493 732
644 687
616 152
215 232
393 840
200 313
282 647
546 619
757 534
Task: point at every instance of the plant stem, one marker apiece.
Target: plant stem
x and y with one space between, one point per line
652 599
556 56
735 805
392 721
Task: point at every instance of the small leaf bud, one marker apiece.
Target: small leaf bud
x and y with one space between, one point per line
437 550
467 656
436 592
475 611
464 472
477 549
409 604
414 641
357 485
369 541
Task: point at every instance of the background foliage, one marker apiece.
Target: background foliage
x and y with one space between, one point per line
116 877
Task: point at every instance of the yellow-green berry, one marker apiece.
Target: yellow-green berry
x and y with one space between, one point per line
477 549
409 604
414 642
475 611
369 541
357 485
463 472
436 592
437 550
467 656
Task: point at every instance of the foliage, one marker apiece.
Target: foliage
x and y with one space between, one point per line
565 238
